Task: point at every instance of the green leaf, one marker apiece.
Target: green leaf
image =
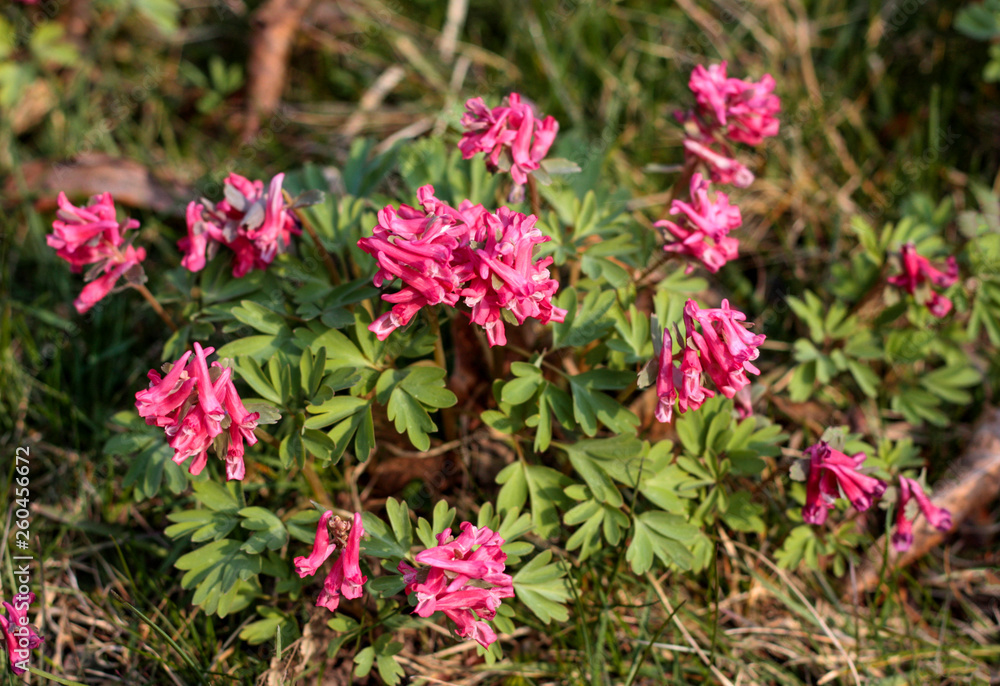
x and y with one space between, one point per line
590 405
426 384
216 496
269 531
399 518
410 416
201 525
543 588
258 317
979 20
215 569
267 629
334 410
250 371
800 544
381 541
545 488
588 323
744 515
663 535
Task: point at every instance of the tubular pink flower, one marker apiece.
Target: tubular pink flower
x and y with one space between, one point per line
745 111
692 393
254 224
918 269
722 169
704 227
207 399
92 235
442 254
505 277
84 235
712 90
510 134
97 289
727 110
830 469
713 218
725 348
665 390
165 394
322 548
194 408
241 424
938 517
20 636
345 577
444 583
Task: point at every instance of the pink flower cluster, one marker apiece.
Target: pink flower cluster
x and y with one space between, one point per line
727 110
93 236
345 577
723 349
18 634
196 406
703 231
917 270
830 472
938 517
442 254
511 135
453 581
255 225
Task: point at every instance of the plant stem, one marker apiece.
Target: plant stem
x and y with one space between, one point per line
536 202
157 307
450 426
331 268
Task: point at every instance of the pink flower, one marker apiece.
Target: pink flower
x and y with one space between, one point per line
255 225
322 548
504 275
918 269
728 110
511 135
704 227
114 268
712 90
416 246
453 579
442 254
744 110
92 235
693 393
345 577
938 517
83 235
725 347
830 472
665 390
196 404
20 636
722 169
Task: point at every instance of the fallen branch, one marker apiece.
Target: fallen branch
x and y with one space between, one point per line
274 27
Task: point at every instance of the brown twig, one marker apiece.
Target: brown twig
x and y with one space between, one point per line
157 307
274 27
